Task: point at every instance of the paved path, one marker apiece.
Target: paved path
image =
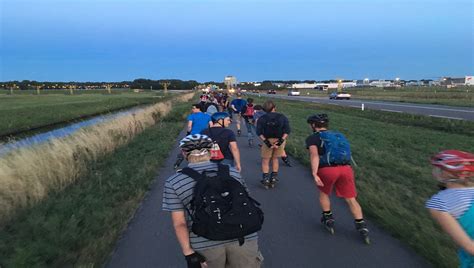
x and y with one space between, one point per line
291 237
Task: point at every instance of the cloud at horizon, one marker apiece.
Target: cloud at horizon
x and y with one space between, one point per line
85 40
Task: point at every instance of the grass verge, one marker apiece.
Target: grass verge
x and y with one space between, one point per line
25 112
393 172
80 225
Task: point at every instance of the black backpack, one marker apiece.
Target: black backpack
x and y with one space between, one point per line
272 127
221 208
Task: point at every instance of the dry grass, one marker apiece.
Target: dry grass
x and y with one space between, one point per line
27 175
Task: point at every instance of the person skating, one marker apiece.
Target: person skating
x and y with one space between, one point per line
204 244
197 121
330 158
453 207
259 112
273 129
237 106
248 116
225 138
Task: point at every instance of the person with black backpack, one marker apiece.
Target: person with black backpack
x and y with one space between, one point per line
273 129
215 219
330 157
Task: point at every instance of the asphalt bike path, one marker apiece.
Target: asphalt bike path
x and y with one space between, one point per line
292 235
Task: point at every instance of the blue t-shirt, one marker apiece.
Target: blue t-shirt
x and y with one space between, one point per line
239 104
200 122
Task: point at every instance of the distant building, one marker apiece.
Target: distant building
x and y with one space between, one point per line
469 81
381 83
230 81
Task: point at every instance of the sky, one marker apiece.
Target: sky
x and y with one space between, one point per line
254 40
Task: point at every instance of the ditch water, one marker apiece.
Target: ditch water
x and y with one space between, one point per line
60 132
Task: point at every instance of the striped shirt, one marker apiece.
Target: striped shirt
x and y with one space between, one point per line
177 196
455 201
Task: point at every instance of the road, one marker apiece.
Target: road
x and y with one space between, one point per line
449 112
291 236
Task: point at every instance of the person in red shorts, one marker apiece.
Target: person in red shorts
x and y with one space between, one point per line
330 164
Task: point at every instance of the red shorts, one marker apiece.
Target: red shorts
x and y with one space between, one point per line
340 176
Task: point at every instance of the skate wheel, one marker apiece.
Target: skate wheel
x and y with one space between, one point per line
367 240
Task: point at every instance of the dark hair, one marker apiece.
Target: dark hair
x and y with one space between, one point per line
258 107
197 105
268 106
250 100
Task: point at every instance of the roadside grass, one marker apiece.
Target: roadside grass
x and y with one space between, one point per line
393 173
27 111
459 96
79 225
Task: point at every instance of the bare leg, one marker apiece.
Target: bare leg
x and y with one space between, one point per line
355 208
324 201
275 164
265 165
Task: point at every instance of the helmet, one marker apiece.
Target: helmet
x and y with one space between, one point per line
218 116
453 165
318 118
195 142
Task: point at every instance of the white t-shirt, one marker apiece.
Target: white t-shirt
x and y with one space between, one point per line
455 201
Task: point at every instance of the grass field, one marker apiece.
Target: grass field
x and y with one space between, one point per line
80 225
393 173
460 96
27 111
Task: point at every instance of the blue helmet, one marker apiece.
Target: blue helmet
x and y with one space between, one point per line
218 116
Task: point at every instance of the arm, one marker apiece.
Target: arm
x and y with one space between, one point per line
236 154
182 232
190 125
451 226
314 159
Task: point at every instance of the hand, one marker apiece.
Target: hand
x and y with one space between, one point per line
195 260
238 167
188 133
268 144
318 181
279 142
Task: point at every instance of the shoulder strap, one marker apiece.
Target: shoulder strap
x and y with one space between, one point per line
223 171
192 173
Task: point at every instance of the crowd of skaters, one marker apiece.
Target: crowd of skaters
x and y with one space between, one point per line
210 143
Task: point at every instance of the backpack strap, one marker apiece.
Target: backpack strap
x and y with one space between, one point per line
223 171
192 173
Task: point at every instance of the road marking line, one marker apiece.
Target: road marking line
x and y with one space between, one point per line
393 111
423 107
447 117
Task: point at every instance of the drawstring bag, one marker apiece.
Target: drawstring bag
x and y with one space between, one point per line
216 153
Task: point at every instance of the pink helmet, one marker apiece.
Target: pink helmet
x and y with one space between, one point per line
458 164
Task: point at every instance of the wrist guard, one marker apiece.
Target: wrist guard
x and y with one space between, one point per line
280 142
194 260
267 143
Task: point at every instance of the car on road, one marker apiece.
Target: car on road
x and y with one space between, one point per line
271 91
340 96
293 92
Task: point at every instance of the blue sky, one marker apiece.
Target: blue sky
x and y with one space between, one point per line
115 40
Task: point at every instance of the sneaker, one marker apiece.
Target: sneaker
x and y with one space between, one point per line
286 160
250 142
238 132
